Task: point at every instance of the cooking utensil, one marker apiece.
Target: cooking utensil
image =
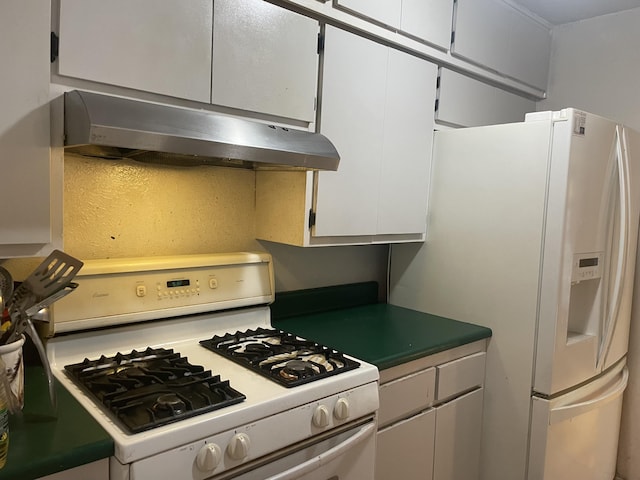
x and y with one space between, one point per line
52 275
49 282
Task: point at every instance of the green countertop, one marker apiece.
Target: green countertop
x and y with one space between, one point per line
383 334
41 443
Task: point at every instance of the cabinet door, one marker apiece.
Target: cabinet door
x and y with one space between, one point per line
265 59
98 470
377 108
406 149
387 12
496 35
25 169
352 116
428 20
406 449
465 102
160 46
457 439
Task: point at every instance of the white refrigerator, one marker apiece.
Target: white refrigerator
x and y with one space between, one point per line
532 232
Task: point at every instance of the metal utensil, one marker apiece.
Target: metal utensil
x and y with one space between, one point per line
52 275
50 281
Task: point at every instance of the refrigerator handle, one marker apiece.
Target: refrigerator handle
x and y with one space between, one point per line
623 247
567 412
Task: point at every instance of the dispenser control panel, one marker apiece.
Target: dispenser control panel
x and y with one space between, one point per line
587 266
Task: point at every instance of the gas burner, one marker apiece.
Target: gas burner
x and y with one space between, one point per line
297 369
152 388
282 357
170 402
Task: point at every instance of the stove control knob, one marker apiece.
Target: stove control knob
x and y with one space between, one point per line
341 410
208 457
321 416
238 447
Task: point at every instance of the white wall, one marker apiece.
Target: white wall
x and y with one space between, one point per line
595 66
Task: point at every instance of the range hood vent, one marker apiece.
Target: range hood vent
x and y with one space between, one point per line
112 127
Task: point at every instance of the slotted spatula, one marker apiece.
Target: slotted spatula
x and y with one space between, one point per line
52 275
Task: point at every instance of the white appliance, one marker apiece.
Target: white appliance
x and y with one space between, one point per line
165 306
532 231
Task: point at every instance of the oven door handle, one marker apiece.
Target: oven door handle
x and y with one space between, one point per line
326 457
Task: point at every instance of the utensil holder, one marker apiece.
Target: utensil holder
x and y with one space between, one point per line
12 375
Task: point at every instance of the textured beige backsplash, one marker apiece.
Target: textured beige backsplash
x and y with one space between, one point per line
128 209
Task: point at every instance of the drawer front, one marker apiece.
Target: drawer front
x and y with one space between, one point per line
460 375
406 395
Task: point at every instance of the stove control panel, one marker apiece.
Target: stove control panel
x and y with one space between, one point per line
120 291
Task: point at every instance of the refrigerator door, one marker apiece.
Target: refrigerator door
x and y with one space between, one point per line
616 334
588 255
575 436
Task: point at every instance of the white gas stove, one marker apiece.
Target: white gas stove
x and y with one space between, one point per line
249 402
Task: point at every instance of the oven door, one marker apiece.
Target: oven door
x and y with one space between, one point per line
345 455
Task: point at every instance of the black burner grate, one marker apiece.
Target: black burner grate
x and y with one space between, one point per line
151 388
280 356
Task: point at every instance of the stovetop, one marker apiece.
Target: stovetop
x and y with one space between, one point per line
156 386
153 387
282 357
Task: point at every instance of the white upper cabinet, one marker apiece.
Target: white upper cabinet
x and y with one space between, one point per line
500 37
244 54
377 108
265 59
29 209
159 46
426 20
352 117
387 12
466 102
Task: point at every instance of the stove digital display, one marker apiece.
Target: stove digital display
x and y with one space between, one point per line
178 283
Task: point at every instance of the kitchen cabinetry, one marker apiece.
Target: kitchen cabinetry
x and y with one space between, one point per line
265 59
498 36
430 417
376 107
156 46
262 58
466 102
30 211
426 21
98 470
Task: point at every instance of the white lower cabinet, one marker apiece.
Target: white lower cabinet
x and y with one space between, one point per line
457 438
430 417
406 449
98 470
